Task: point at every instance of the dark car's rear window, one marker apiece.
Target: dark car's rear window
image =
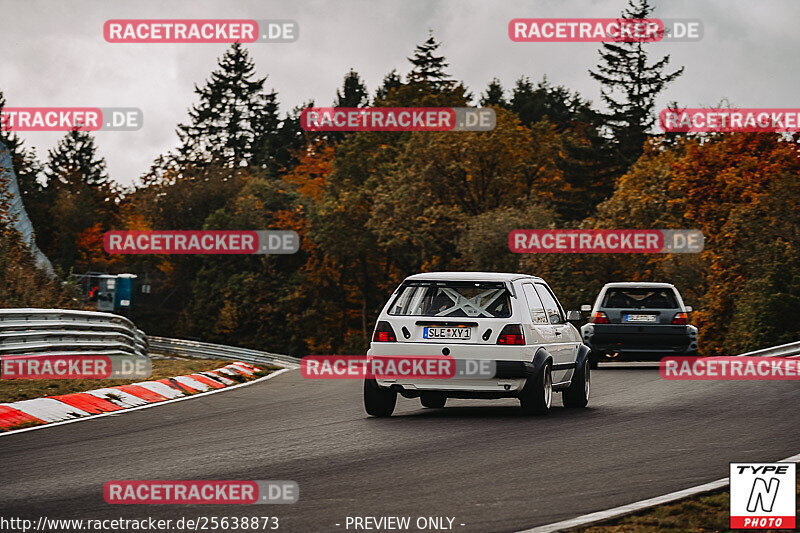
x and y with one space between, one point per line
640 298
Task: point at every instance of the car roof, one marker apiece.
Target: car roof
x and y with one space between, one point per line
643 284
470 276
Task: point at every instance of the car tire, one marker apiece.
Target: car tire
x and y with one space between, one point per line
577 395
433 400
537 394
377 401
593 359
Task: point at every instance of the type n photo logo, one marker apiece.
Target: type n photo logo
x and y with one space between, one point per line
763 495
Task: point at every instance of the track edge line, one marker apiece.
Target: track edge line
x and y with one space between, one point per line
615 512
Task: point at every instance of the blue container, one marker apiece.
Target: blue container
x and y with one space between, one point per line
123 297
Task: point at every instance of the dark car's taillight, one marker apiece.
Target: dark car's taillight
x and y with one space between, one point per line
600 318
383 332
511 334
680 319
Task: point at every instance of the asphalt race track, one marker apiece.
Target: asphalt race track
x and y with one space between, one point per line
478 461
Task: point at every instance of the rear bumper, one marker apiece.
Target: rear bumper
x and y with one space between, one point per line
648 341
513 365
509 378
514 369
486 388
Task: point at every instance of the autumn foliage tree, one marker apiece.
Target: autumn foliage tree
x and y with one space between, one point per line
82 195
374 207
739 190
742 190
441 181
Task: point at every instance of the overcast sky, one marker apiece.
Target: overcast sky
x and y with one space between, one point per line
54 54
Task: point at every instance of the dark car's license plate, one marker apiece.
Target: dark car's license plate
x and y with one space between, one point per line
640 318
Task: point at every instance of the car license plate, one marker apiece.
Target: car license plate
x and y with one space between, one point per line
640 318
446 333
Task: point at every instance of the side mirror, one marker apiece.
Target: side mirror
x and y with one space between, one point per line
688 308
586 308
573 316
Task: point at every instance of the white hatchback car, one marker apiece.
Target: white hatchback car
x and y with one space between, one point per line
513 321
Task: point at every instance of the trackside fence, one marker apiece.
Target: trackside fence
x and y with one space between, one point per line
28 331
784 350
206 350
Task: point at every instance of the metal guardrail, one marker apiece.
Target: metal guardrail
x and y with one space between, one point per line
206 350
46 331
28 331
784 350
219 351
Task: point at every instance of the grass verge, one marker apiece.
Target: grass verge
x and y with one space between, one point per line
13 390
704 513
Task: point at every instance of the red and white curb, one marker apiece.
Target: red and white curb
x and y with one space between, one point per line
67 407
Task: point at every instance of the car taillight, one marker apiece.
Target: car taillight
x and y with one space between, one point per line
511 334
681 319
383 333
600 318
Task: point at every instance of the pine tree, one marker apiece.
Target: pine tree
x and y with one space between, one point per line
390 82
523 98
630 87
82 196
235 121
74 163
266 143
291 138
353 92
429 68
555 103
494 95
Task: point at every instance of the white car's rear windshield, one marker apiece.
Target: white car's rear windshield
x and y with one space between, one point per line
640 298
452 299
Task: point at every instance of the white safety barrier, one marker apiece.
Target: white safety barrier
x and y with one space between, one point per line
784 350
29 331
206 350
